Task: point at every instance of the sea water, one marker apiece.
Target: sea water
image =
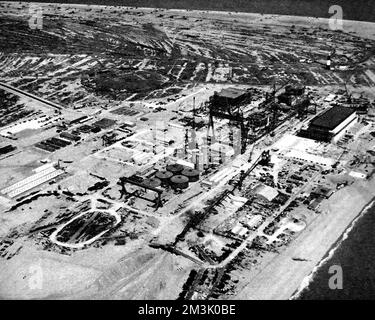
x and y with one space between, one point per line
354 252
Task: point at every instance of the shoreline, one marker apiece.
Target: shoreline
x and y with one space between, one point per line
360 28
321 12
282 278
310 278
200 11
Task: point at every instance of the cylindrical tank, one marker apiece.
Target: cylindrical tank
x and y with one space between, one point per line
192 174
179 182
175 168
164 176
152 182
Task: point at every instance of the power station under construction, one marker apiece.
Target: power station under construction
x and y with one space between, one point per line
174 177
188 154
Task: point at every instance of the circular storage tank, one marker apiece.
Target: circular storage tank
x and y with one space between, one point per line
164 176
180 182
175 168
152 182
192 174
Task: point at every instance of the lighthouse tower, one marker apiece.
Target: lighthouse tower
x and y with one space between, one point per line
328 63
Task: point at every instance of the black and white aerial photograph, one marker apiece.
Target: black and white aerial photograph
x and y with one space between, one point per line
178 150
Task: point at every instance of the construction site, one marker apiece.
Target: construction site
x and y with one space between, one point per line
175 158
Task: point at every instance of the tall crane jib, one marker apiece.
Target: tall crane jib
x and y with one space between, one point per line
234 114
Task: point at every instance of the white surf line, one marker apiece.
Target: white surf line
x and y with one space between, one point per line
308 279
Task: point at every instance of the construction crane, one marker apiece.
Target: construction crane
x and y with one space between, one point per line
193 143
271 103
251 153
271 96
302 107
232 113
237 118
60 161
348 94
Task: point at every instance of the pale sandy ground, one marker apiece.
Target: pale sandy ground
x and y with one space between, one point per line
134 271
360 28
33 276
282 276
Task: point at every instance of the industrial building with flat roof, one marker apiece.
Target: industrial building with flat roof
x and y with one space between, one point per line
330 123
229 97
332 118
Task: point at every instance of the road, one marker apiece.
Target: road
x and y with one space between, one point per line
112 211
25 94
256 154
263 226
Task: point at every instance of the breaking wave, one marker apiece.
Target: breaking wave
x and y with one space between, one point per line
308 279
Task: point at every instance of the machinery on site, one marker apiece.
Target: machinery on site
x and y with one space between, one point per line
108 139
151 184
227 105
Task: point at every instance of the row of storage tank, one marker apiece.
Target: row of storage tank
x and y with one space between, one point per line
175 175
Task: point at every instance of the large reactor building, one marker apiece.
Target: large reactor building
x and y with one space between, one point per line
229 97
330 124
